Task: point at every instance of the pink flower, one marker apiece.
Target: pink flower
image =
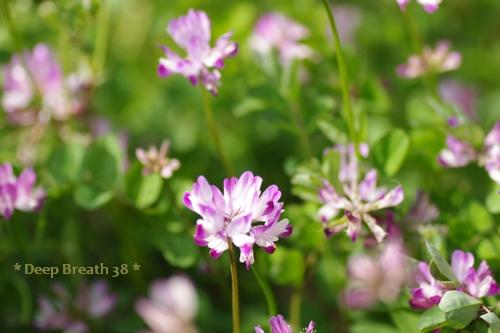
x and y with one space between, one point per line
172 306
72 314
478 283
441 59
202 62
429 6
373 279
459 153
242 215
279 325
359 198
157 160
423 210
19 193
460 95
274 31
37 75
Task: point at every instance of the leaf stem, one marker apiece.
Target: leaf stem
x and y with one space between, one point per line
234 289
268 294
101 39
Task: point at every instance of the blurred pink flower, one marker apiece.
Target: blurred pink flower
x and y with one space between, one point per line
423 210
241 215
460 95
157 160
35 88
348 19
275 31
19 193
72 314
441 59
202 62
374 279
279 325
478 283
459 153
429 6
358 200
172 306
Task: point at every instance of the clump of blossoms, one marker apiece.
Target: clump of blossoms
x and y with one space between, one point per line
242 215
202 62
459 153
476 282
35 88
438 60
429 6
279 325
355 199
274 31
72 314
171 307
157 160
373 279
19 192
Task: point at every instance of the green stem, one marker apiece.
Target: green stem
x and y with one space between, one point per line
234 289
101 39
295 307
301 128
5 9
347 104
268 294
212 126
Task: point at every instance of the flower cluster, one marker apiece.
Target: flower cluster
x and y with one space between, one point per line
376 279
441 59
35 88
202 62
429 6
172 306
156 160
241 215
459 153
358 200
274 31
279 325
71 314
476 282
19 192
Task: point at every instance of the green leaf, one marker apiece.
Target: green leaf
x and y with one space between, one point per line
391 150
142 189
287 266
178 249
90 198
373 327
64 162
432 319
460 308
493 200
480 217
440 262
406 321
493 321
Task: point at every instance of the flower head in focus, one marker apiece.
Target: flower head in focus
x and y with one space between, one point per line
171 307
35 88
71 314
476 282
275 31
156 160
279 325
430 6
357 199
373 279
202 62
459 153
19 192
438 60
242 214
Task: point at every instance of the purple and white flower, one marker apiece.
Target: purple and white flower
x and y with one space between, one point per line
242 214
430 6
171 307
157 160
459 153
476 282
358 200
374 279
202 62
279 325
438 60
275 31
19 192
71 314
35 88
462 96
